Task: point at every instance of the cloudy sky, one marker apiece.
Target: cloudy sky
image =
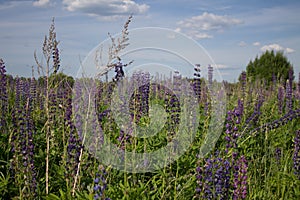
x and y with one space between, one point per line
232 32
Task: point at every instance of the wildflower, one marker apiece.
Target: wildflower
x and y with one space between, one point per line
74 141
289 96
145 91
299 84
140 99
232 121
255 115
278 155
294 114
280 97
177 81
55 56
213 179
197 81
296 155
243 81
3 96
240 179
33 94
100 184
210 75
199 178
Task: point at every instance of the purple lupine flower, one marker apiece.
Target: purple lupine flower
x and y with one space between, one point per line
222 178
30 148
280 97
199 180
3 95
139 102
175 99
259 103
74 138
226 182
243 81
210 83
294 114
56 60
240 179
213 179
208 176
73 153
278 155
23 149
18 93
289 96
174 109
197 81
145 93
240 110
33 94
255 115
16 136
14 145
52 104
177 81
100 183
25 89
299 85
231 133
210 75
296 155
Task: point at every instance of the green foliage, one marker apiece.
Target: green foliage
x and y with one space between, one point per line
267 178
61 80
266 66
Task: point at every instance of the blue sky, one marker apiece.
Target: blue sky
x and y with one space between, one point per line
233 32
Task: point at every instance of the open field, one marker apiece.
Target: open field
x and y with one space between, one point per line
256 156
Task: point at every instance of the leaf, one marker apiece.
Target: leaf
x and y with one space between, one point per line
52 197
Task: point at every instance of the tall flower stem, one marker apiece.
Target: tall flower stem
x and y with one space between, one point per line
50 50
47 129
91 94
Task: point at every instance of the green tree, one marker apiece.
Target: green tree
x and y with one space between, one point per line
268 66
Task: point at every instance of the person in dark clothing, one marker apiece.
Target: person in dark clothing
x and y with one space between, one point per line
119 71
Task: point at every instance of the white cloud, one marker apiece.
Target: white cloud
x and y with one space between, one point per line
195 34
8 4
270 47
199 35
104 9
276 47
199 26
256 44
289 50
41 3
242 44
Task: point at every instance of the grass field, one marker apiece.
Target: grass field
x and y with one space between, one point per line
42 154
